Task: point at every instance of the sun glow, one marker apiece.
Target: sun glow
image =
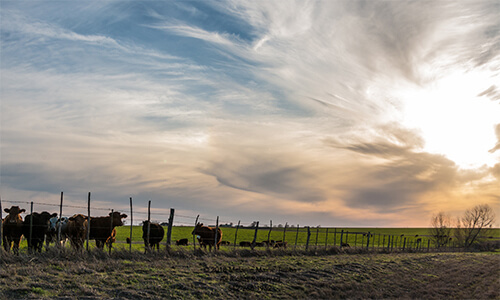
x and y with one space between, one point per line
453 119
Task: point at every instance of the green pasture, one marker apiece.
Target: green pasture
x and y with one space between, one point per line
318 236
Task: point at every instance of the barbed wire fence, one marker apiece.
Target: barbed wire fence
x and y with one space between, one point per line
268 236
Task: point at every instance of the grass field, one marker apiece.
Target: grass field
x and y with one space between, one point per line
245 274
247 234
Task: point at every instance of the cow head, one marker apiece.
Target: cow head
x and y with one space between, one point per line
14 212
197 228
79 220
117 218
45 218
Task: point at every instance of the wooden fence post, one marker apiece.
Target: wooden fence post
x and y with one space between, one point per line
404 244
148 247
284 232
255 235
194 235
131 224
216 234
326 239
236 233
335 237
296 237
308 237
341 237
59 246
30 248
269 233
368 241
88 222
110 231
317 235
356 240
169 228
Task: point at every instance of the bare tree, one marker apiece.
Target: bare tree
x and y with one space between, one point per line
474 224
440 229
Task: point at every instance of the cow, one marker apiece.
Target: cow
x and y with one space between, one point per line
54 224
206 236
182 242
12 228
77 225
280 244
225 243
156 234
35 226
245 244
101 228
345 245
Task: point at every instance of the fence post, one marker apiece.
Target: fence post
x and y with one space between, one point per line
255 235
308 237
296 237
216 234
60 225
341 237
148 247
284 232
30 245
428 245
317 235
110 232
356 240
1 225
194 235
236 233
88 222
131 224
269 233
404 244
368 241
335 237
326 239
169 229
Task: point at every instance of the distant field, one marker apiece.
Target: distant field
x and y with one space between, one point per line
352 236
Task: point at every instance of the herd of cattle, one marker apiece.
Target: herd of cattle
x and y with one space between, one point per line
39 227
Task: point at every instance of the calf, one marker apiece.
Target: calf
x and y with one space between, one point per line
34 228
206 236
245 244
182 242
101 228
156 234
12 228
225 243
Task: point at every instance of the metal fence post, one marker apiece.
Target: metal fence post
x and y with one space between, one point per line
88 223
169 228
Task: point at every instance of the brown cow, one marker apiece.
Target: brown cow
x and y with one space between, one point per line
36 224
207 236
156 234
111 239
12 228
101 228
77 225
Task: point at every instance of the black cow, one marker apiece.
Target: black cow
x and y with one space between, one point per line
35 226
182 242
156 234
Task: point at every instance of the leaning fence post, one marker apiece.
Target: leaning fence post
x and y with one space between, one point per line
59 227
30 245
194 235
148 247
169 229
236 233
255 235
88 223
131 224
308 237
269 233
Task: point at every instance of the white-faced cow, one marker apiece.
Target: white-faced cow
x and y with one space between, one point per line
54 225
206 236
12 228
35 226
156 234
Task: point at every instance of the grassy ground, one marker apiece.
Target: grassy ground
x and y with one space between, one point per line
244 274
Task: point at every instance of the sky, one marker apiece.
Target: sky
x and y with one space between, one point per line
331 113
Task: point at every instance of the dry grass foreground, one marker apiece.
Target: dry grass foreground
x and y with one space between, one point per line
244 275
